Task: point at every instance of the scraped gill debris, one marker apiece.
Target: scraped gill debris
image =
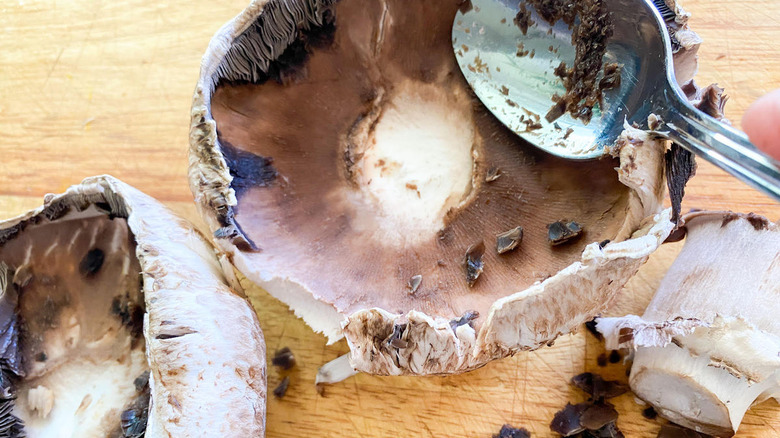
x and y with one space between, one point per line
284 360
587 79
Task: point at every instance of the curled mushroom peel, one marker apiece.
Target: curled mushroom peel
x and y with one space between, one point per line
708 345
111 307
336 161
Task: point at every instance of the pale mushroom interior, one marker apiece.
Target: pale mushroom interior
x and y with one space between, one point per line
80 309
363 162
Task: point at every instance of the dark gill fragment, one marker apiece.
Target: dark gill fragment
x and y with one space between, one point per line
509 240
567 421
680 167
283 358
463 320
473 263
134 418
281 389
508 431
598 388
598 415
561 232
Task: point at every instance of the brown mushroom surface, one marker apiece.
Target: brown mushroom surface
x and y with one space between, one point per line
340 155
380 154
113 312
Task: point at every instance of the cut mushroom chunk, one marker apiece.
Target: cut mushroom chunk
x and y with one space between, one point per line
112 311
337 152
708 345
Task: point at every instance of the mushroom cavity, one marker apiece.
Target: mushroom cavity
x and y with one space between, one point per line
79 318
340 155
708 345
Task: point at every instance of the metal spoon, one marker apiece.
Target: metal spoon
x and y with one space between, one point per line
486 40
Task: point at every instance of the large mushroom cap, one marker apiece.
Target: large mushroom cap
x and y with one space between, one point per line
338 153
114 311
708 344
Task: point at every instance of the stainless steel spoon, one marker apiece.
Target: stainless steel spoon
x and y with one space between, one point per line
486 41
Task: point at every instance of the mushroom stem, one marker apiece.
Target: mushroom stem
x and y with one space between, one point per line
708 345
335 371
688 390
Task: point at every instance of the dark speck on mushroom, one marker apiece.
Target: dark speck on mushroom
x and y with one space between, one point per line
562 232
92 262
463 320
395 338
474 264
492 174
509 240
414 284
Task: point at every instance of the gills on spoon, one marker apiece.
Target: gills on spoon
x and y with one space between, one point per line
588 77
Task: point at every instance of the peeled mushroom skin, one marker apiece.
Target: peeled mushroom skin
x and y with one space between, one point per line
708 345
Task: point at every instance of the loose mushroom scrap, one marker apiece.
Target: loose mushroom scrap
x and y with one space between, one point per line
115 320
341 158
708 345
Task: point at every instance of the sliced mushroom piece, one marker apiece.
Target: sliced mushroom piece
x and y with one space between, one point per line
708 345
337 152
113 313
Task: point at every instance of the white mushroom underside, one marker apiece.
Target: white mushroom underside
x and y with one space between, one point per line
85 396
417 163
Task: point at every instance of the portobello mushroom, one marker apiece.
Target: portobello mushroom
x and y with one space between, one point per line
116 321
343 162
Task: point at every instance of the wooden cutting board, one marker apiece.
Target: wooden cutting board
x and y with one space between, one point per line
97 86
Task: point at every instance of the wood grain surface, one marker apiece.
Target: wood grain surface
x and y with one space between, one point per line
96 86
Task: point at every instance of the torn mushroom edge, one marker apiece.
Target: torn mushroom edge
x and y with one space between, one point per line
604 270
182 282
749 366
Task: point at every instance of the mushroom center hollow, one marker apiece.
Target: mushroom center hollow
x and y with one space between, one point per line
415 157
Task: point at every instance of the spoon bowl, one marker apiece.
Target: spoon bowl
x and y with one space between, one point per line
513 75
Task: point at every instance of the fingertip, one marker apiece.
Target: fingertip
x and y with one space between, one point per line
761 122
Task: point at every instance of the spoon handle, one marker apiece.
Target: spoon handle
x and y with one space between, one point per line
722 146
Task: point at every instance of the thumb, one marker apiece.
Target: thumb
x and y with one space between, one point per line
761 122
